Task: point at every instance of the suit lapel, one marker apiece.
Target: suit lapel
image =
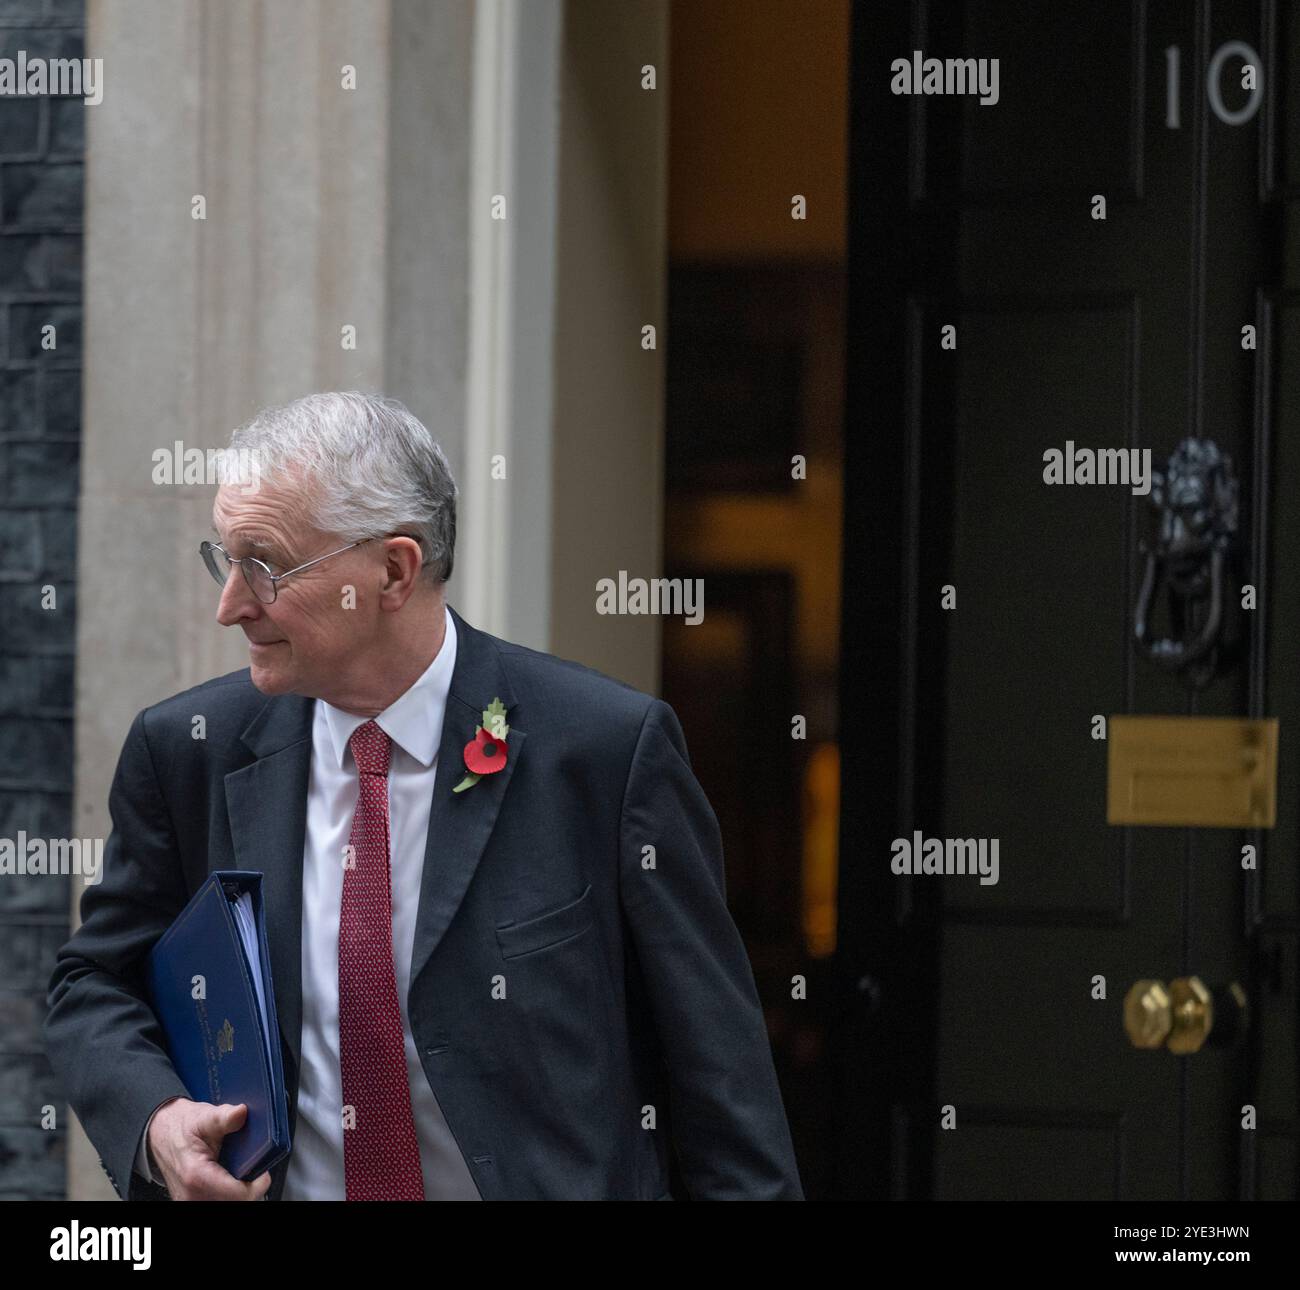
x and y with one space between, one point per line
267 805
461 823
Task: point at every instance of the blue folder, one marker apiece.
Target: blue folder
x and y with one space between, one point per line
225 1046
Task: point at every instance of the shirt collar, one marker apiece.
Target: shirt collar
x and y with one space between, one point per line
413 721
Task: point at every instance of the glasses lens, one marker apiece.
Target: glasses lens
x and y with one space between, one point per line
259 579
217 564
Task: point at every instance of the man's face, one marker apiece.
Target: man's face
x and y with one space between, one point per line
306 642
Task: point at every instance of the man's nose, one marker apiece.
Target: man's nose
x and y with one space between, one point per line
237 600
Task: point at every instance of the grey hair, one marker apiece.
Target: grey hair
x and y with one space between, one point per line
372 468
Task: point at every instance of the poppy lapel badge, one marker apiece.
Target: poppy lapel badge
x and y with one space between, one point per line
485 754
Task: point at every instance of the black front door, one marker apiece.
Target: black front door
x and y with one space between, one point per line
1071 266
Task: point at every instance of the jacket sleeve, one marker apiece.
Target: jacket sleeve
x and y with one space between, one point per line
101 1035
142 1151
728 1122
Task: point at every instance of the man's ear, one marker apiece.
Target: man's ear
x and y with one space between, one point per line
402 562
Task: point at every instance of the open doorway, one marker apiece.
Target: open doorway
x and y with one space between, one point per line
753 463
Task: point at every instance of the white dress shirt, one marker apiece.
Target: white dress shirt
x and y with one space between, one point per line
414 723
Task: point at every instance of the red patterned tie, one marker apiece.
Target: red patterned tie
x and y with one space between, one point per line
381 1155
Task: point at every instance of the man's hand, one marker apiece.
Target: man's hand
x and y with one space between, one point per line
185 1140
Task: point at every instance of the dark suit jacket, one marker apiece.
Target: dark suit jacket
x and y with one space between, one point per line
626 986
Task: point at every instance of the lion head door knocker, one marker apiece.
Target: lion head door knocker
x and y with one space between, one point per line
1190 559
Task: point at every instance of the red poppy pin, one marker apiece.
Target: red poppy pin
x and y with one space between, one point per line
485 754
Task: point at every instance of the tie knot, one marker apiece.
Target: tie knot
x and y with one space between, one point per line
371 748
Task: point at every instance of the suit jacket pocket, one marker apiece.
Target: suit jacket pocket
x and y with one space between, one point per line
543 930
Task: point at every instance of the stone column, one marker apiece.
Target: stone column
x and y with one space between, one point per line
611 272
571 148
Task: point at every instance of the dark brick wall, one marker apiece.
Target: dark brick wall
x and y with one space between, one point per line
41 146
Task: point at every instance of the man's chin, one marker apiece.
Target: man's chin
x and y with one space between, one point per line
269 680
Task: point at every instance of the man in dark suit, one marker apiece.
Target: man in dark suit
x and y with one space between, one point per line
493 886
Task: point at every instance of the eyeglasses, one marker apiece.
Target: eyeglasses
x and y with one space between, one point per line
261 581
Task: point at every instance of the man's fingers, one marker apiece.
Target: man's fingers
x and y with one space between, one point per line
211 1181
190 1155
233 1116
217 1123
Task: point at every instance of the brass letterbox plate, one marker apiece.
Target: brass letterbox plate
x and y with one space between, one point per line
1197 772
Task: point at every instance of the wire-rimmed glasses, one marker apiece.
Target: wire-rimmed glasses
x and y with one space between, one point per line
261 581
